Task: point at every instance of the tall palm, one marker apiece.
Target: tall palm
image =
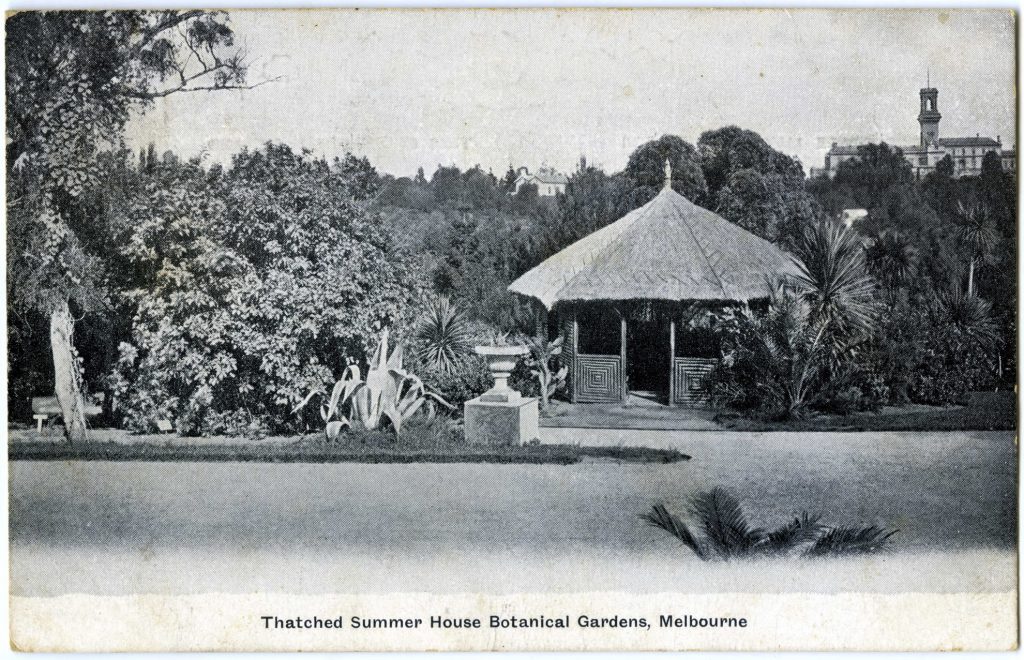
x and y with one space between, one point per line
978 233
833 278
444 335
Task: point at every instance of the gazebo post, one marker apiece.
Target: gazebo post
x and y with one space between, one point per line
574 336
672 360
623 382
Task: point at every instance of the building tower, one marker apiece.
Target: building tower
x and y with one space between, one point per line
929 116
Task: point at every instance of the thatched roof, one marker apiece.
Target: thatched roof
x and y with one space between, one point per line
668 249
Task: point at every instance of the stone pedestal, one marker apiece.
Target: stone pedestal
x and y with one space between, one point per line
510 422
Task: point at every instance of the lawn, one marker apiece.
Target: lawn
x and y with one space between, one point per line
183 527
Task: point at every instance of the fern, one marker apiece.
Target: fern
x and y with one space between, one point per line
660 517
850 541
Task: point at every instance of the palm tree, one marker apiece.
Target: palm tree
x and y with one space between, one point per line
444 335
834 280
976 229
971 315
728 534
892 260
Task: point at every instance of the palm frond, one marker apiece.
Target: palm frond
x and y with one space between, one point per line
724 523
660 517
802 529
850 541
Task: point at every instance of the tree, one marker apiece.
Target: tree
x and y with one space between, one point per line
73 81
877 168
267 280
892 259
833 279
645 172
589 203
755 186
978 234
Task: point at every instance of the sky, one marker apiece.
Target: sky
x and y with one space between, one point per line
419 88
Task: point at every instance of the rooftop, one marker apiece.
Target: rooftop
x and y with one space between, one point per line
669 249
976 141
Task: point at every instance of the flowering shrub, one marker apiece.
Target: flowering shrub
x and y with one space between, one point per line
264 282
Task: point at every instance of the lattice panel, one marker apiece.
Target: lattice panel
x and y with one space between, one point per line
598 378
687 375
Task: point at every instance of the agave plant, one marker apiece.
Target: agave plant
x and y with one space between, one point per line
444 334
542 355
388 392
728 534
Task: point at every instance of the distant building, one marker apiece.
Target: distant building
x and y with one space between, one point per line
549 182
966 152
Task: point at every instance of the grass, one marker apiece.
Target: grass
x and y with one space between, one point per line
305 450
123 527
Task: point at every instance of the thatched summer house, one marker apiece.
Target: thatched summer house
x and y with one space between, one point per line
636 301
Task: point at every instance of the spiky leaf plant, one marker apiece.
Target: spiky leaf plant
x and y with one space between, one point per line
833 278
444 335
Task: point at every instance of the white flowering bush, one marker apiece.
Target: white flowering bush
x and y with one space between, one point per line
263 282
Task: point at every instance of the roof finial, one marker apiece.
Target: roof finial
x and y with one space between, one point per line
668 174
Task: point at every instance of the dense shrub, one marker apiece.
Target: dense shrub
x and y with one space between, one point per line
262 283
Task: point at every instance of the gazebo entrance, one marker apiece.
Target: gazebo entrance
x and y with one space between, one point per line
639 348
648 360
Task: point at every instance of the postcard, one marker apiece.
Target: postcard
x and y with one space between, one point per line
512 329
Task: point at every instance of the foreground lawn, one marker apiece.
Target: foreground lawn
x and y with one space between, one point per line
191 527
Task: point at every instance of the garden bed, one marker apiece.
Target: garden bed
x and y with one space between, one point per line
981 411
309 449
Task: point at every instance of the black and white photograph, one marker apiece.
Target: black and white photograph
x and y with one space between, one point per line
512 329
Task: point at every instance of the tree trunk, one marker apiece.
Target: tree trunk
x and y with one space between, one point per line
66 374
970 279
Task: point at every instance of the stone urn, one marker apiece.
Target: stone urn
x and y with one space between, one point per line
501 360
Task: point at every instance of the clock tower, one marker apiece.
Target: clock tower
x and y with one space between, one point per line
929 116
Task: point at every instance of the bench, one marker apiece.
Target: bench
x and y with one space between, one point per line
45 407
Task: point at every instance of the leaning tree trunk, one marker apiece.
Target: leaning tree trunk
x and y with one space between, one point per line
67 375
970 279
